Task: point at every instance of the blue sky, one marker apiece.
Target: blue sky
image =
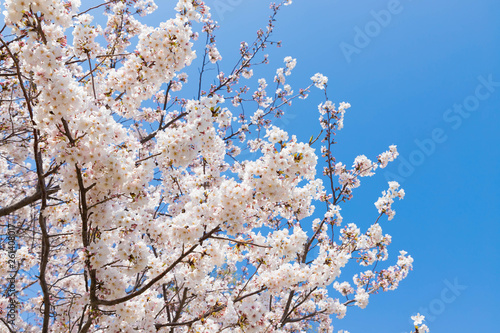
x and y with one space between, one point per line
426 78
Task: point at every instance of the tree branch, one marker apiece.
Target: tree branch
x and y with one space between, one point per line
26 201
159 277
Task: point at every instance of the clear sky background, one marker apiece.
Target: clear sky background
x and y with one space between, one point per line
426 77
416 79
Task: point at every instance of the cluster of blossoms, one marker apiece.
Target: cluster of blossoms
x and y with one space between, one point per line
328 109
215 56
417 321
333 214
385 202
319 80
141 217
17 12
276 134
84 35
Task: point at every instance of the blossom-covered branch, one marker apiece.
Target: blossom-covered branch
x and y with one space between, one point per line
138 209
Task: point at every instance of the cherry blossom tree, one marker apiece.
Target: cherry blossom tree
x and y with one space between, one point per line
126 207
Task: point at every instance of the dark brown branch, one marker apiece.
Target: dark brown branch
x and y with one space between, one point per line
305 298
138 162
159 277
249 279
12 41
91 8
39 29
203 64
26 201
44 255
241 242
84 215
214 309
286 312
179 309
307 246
240 298
294 320
166 99
152 135
92 75
7 325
